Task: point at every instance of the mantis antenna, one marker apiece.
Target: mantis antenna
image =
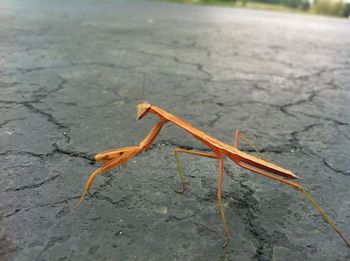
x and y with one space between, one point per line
143 86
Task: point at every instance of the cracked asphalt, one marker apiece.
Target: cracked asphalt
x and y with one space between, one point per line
70 79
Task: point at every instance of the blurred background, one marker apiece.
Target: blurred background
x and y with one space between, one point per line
340 8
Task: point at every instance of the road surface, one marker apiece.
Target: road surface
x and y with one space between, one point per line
70 79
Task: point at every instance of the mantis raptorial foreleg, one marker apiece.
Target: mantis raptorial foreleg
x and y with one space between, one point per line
108 155
180 168
116 157
108 163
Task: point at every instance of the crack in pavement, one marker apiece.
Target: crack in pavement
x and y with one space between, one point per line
39 96
197 65
49 117
32 186
334 121
37 99
52 242
10 120
51 204
346 173
218 116
251 214
309 151
119 203
74 154
74 64
319 73
2 216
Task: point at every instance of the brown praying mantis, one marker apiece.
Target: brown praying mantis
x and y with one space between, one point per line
116 157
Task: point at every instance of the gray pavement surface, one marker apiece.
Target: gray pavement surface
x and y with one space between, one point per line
70 79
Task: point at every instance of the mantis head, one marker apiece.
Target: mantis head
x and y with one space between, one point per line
142 110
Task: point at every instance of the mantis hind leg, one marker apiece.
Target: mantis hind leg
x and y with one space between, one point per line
181 173
180 168
306 194
239 134
219 197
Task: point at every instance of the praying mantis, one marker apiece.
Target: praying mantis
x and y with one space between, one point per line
116 157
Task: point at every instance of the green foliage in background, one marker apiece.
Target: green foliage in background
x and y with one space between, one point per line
328 7
325 7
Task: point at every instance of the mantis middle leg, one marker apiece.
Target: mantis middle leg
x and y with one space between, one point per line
180 168
219 193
